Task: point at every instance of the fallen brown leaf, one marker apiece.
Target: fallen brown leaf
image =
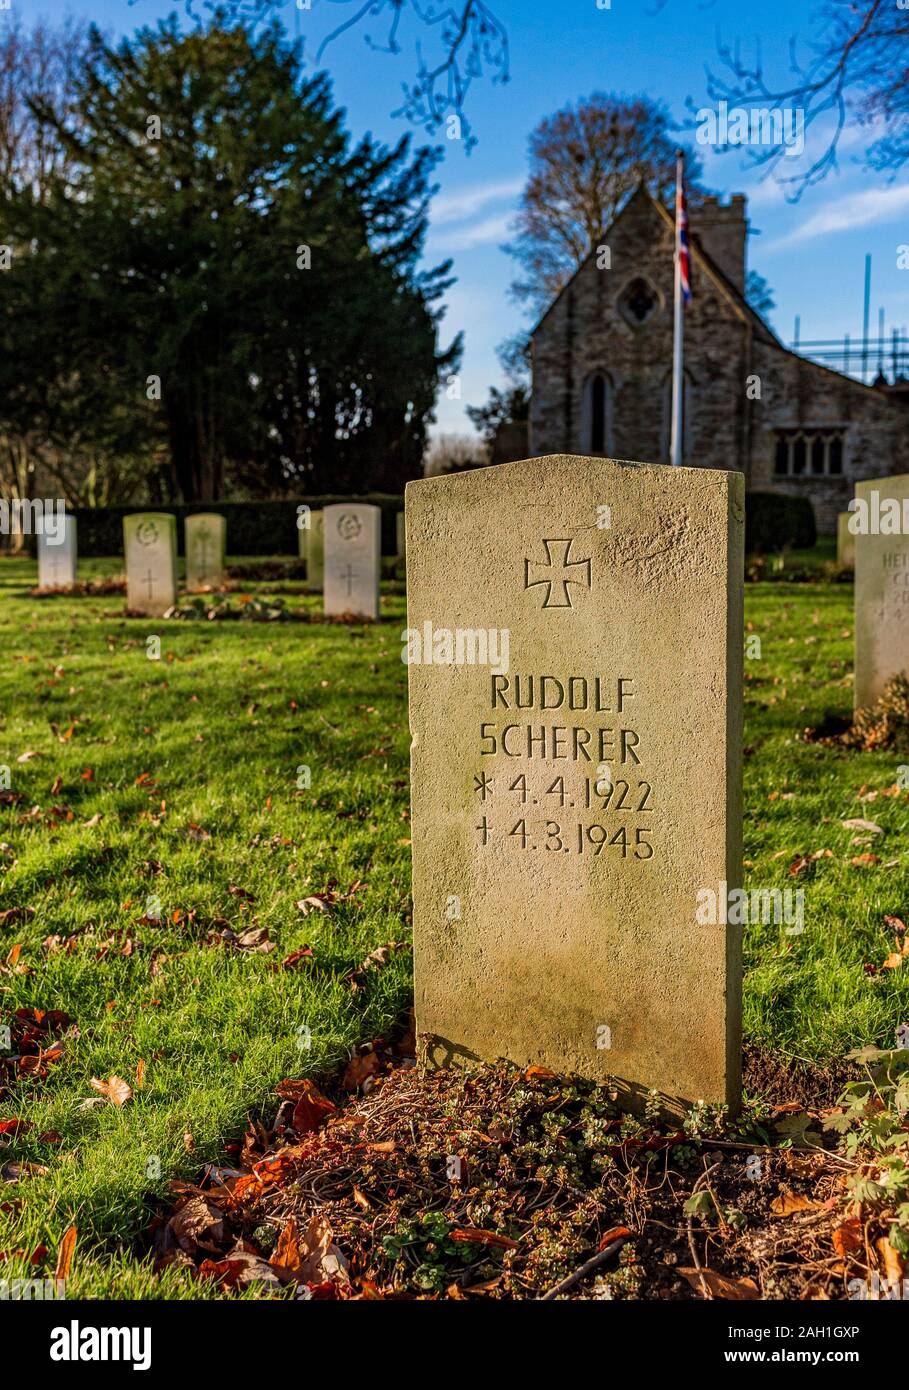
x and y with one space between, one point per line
359 1068
720 1286
473 1235
16 914
848 1237
311 1109
320 1258
65 1254
788 1202
615 1233
115 1088
890 1261
286 1254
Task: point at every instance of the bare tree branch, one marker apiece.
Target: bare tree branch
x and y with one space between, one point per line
472 43
855 70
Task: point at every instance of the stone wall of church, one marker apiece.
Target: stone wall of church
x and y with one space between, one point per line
801 396
593 327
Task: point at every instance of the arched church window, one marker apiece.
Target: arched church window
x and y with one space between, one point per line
595 414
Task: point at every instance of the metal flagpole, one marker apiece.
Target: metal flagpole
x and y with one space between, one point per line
675 448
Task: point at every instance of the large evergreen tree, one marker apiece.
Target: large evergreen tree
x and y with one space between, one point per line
215 232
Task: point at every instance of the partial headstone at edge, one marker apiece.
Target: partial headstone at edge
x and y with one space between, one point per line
881 585
314 549
845 541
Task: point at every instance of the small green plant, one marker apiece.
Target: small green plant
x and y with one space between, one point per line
704 1205
872 1117
427 1238
705 1121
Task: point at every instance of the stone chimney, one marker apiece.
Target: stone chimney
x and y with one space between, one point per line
722 230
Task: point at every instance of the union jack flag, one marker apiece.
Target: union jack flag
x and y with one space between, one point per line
681 225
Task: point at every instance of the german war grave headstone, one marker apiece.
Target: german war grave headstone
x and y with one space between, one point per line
574 644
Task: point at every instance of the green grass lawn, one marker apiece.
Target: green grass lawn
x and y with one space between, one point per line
193 792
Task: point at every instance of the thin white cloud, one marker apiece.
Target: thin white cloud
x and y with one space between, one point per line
457 207
767 193
490 229
875 205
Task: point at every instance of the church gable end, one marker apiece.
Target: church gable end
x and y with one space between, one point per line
602 370
602 354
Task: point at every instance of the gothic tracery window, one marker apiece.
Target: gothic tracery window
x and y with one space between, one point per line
638 302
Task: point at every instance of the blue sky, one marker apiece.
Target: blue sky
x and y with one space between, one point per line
812 253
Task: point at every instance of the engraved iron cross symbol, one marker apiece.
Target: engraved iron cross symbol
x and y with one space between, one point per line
557 552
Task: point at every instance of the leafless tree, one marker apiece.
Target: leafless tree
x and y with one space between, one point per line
854 67
453 453
584 160
469 42
37 66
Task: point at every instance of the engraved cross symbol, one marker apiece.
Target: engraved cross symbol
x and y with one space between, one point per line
557 594
202 541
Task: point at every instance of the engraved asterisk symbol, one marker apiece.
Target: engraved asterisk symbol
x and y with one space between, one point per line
565 572
482 784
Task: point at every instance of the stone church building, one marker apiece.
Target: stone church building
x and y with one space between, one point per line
602 370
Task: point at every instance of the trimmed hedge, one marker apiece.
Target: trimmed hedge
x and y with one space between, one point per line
774 520
253 528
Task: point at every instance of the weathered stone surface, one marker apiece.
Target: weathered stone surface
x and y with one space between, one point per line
57 560
845 541
881 586
150 543
353 557
567 810
313 547
205 539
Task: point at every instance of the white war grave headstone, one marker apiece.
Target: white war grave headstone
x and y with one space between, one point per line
56 552
205 541
150 543
313 546
352 559
880 526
